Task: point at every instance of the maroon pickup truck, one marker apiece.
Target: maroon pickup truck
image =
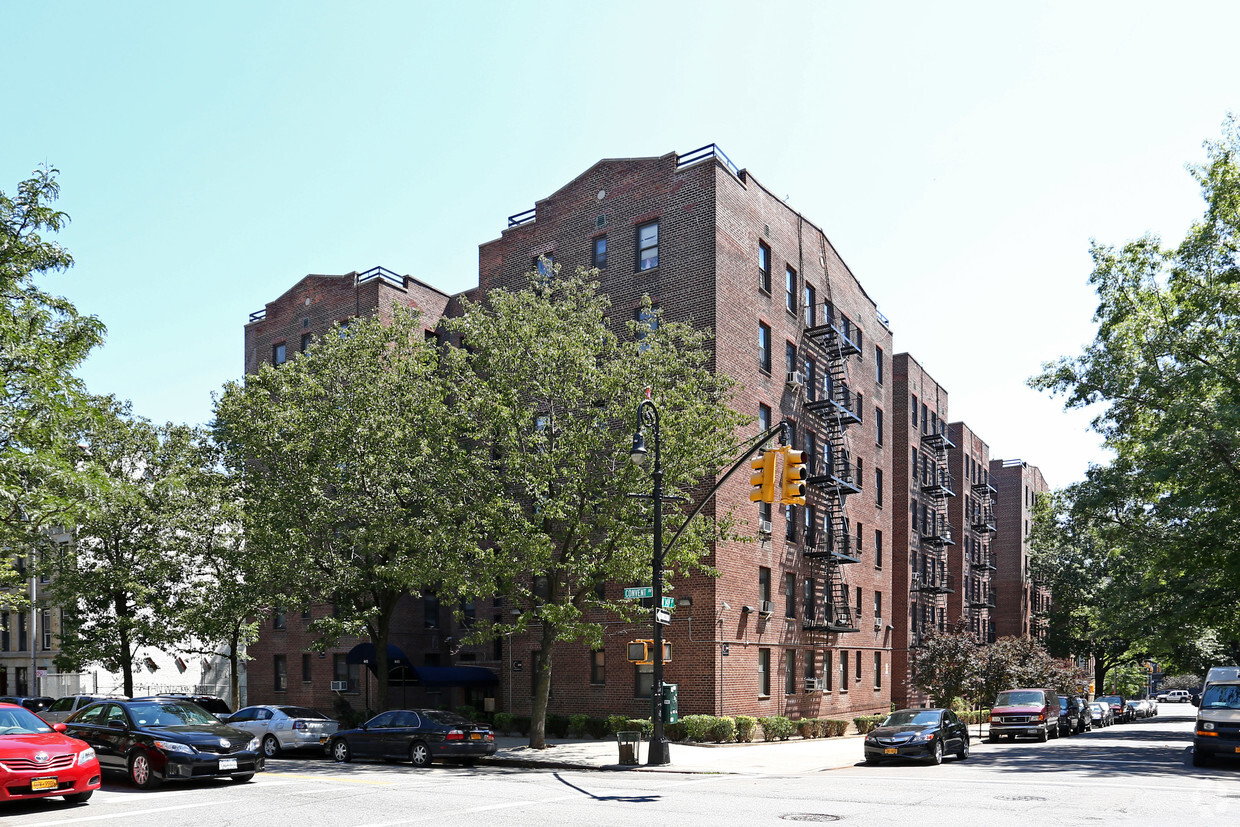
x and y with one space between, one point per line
1031 712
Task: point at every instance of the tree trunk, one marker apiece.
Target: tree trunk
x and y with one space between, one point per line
126 656
234 663
380 631
542 689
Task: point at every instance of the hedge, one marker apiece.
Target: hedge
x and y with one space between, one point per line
776 727
865 723
744 728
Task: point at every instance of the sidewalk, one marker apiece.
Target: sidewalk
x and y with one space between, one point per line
793 756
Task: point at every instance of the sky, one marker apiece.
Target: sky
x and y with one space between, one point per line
960 156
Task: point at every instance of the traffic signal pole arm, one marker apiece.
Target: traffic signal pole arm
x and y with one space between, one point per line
779 430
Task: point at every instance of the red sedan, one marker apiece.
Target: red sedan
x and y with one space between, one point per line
36 761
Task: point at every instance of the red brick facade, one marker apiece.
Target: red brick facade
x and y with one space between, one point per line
1018 597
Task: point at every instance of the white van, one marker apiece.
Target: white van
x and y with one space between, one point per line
1217 733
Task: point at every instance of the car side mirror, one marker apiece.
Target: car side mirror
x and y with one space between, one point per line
1195 701
116 724
59 727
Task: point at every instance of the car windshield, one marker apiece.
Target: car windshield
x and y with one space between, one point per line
1221 696
174 714
21 722
444 717
1025 697
303 712
912 717
1111 699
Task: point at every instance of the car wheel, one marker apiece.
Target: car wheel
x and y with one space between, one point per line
992 739
140 772
870 759
963 754
79 798
936 755
1042 736
420 754
241 779
1200 759
271 747
340 751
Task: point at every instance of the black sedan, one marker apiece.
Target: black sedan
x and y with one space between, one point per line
918 733
416 735
162 739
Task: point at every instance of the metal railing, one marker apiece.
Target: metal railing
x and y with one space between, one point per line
704 152
522 217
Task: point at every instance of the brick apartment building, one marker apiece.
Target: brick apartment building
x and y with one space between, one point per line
972 511
812 618
1020 600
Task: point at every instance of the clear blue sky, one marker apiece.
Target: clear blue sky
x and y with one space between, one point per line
960 156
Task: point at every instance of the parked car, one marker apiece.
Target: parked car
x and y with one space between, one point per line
165 739
285 727
38 761
1101 714
918 733
1032 712
416 735
66 706
1119 707
1151 708
1177 696
1074 715
1136 709
1217 730
35 703
216 706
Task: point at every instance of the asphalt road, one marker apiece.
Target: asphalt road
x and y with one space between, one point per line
1138 773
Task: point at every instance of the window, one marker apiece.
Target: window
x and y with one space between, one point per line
878 363
810 668
305 342
878 549
843 671
790 595
790 522
598 667
279 621
764 418
859 530
860 408
809 599
878 604
306 616
764 671
764 583
349 673
828 671
45 623
306 660
648 246
430 610
914 411
857 615
925 417
764 347
811 298
914 466
878 487
544 265
280 673
790 356
878 424
858 670
860 466
279 354
811 381
790 672
878 671
5 643
497 645
647 319
764 267
790 289
811 525
598 258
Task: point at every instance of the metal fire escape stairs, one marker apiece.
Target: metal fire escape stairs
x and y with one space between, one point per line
982 562
932 579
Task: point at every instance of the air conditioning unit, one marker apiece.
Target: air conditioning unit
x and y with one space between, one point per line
812 684
764 528
766 607
795 379
340 686
878 624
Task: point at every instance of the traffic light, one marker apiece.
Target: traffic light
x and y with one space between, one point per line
792 489
642 651
763 479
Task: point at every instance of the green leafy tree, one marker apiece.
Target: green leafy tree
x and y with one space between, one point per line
355 484
947 666
1128 680
42 339
1165 369
125 566
553 382
1015 662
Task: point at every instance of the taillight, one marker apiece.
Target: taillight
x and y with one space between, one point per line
490 736
299 724
455 735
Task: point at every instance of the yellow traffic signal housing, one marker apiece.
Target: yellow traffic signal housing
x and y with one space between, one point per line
792 488
642 651
763 479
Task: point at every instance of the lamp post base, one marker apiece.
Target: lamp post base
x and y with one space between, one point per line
659 753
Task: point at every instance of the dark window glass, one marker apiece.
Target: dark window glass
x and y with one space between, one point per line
764 671
648 246
811 298
279 354
790 672
878 424
790 595
878 363
598 666
599 257
280 672
764 347
764 267
790 289
306 671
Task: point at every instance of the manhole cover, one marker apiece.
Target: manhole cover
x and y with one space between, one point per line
809 817
1020 798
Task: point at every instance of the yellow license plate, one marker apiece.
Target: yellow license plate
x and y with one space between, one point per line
477 736
38 784
890 751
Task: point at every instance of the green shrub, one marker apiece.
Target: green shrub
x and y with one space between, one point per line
596 727
642 725
777 727
616 723
521 724
865 723
744 728
468 712
806 727
503 722
675 732
723 730
577 724
834 727
698 727
557 726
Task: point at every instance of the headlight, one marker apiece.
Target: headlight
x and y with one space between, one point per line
1208 725
922 736
174 746
253 745
86 756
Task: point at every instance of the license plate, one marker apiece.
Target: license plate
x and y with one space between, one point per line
890 751
37 784
228 763
475 736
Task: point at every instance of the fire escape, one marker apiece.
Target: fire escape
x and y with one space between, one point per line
931 579
832 471
982 560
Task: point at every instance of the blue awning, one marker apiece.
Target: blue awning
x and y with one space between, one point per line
365 653
455 676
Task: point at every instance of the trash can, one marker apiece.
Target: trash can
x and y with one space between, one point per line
630 747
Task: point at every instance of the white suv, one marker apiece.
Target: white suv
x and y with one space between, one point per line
1178 696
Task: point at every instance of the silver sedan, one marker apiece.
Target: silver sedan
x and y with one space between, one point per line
285 727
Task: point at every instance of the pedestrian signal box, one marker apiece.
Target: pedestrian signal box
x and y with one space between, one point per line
642 651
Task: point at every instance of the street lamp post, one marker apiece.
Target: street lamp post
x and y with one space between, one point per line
659 752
